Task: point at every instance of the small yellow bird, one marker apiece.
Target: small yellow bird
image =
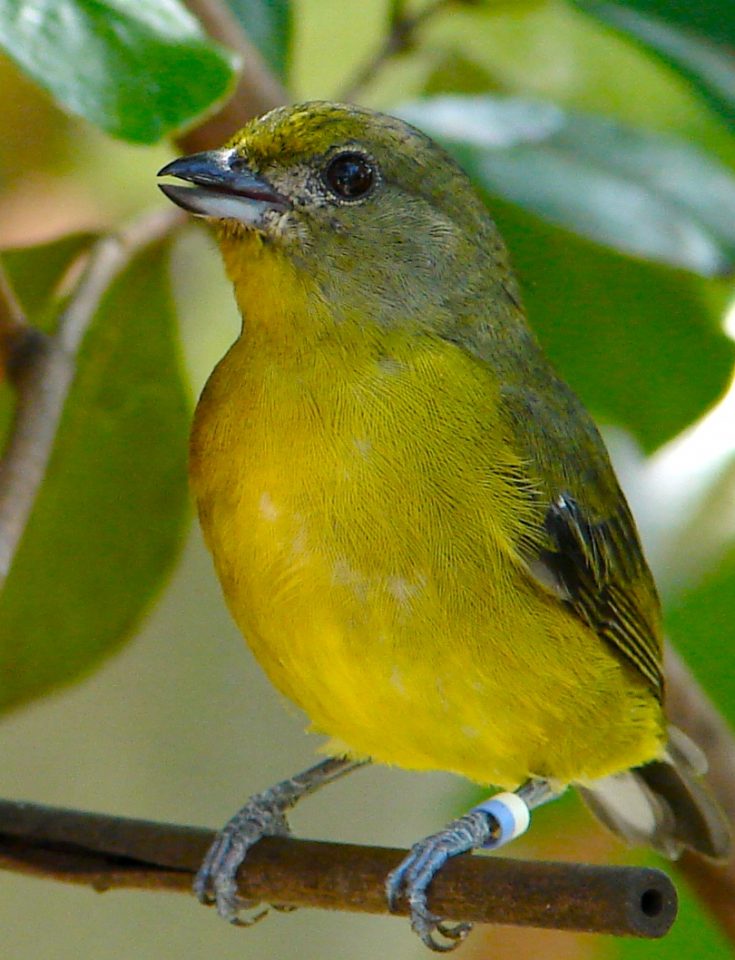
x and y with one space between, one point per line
414 521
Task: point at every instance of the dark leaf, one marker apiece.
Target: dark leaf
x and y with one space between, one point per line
640 343
712 19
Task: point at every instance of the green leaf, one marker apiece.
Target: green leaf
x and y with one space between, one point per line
453 72
713 19
269 24
110 515
709 67
137 70
644 194
641 344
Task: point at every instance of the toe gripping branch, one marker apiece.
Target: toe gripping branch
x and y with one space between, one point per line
491 824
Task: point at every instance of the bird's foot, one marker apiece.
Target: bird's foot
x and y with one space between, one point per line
216 882
264 815
411 879
492 824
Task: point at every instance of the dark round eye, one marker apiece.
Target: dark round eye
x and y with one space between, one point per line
350 175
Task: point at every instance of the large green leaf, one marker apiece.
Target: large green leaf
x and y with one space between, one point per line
644 194
713 19
638 341
137 70
708 66
110 515
268 23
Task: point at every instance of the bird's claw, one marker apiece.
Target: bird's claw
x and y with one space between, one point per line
216 881
425 924
412 878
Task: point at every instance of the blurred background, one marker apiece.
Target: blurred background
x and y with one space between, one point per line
180 724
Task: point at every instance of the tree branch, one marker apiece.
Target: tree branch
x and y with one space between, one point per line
43 371
112 852
689 707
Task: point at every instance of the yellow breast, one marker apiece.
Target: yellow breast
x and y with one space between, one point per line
357 495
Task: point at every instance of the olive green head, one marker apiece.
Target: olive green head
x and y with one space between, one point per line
363 202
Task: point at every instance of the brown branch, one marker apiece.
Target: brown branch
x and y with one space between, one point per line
689 707
112 852
257 89
44 376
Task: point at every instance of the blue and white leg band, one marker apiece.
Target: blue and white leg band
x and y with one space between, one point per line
511 814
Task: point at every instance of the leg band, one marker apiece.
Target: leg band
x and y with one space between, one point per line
512 816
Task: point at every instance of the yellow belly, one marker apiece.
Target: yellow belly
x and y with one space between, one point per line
365 545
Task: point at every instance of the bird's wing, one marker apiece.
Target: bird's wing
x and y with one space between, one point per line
587 551
601 575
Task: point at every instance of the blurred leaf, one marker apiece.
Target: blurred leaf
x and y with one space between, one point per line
268 23
110 516
709 67
713 19
455 73
36 271
638 342
137 70
644 194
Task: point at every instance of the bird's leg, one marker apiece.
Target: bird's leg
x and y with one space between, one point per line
491 824
264 815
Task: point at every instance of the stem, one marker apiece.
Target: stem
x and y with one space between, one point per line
45 376
689 707
111 852
401 37
13 325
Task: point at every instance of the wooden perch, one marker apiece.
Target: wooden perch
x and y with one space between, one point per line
111 852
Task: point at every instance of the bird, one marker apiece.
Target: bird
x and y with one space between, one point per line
414 520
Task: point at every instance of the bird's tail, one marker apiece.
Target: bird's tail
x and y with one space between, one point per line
663 804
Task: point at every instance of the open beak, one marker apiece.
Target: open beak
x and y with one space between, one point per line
224 188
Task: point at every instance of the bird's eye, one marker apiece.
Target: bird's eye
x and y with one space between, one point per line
350 175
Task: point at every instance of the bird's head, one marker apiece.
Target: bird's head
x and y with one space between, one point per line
364 204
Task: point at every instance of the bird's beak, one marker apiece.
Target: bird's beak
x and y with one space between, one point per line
224 188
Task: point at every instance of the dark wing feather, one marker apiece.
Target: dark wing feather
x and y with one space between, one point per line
601 568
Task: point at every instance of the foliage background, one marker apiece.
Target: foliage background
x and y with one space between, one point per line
180 725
